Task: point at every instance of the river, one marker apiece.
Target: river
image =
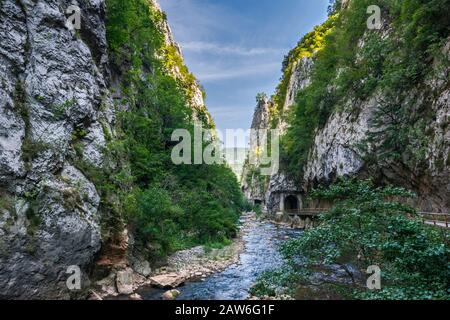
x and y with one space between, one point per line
262 240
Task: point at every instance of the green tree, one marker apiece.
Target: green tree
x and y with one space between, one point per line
371 225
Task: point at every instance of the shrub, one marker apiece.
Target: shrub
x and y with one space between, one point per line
371 226
168 207
345 71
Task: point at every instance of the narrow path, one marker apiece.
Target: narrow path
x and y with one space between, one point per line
262 240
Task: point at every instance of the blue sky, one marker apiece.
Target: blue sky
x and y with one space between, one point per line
236 47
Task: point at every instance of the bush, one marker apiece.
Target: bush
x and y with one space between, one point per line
169 207
344 72
371 226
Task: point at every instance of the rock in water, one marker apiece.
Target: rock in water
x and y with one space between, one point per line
170 280
124 281
171 295
135 296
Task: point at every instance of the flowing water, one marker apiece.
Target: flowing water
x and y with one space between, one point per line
262 240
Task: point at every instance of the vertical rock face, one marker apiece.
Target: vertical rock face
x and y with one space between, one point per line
260 118
253 184
300 79
56 114
336 153
53 97
281 183
268 190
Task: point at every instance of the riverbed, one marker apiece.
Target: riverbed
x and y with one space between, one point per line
262 240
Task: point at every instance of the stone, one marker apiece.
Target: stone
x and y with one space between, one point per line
308 223
135 296
171 295
142 267
108 284
279 216
170 280
95 296
301 224
124 281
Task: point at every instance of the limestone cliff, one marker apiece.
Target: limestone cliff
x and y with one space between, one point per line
58 98
347 144
336 153
253 184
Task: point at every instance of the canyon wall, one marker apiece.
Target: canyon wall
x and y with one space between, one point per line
58 101
336 148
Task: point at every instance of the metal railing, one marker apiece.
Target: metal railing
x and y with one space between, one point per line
436 219
429 218
305 211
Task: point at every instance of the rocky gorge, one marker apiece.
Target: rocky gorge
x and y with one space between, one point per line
52 83
67 171
93 207
347 141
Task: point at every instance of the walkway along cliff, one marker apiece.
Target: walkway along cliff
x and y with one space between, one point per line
86 116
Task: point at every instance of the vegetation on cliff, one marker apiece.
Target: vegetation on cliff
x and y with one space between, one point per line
366 227
402 65
307 47
355 63
168 207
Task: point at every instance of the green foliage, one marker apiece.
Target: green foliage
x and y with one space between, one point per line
31 149
168 207
159 219
271 282
32 213
247 206
6 202
258 210
371 226
20 102
400 122
132 32
311 43
59 111
346 73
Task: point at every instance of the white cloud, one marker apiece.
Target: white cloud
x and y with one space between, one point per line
210 73
232 111
214 48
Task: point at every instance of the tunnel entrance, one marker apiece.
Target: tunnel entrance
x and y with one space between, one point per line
291 203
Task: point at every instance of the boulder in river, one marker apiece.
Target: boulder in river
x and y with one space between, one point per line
135 296
124 281
171 295
170 280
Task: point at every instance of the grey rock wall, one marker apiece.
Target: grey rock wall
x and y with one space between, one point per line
53 95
